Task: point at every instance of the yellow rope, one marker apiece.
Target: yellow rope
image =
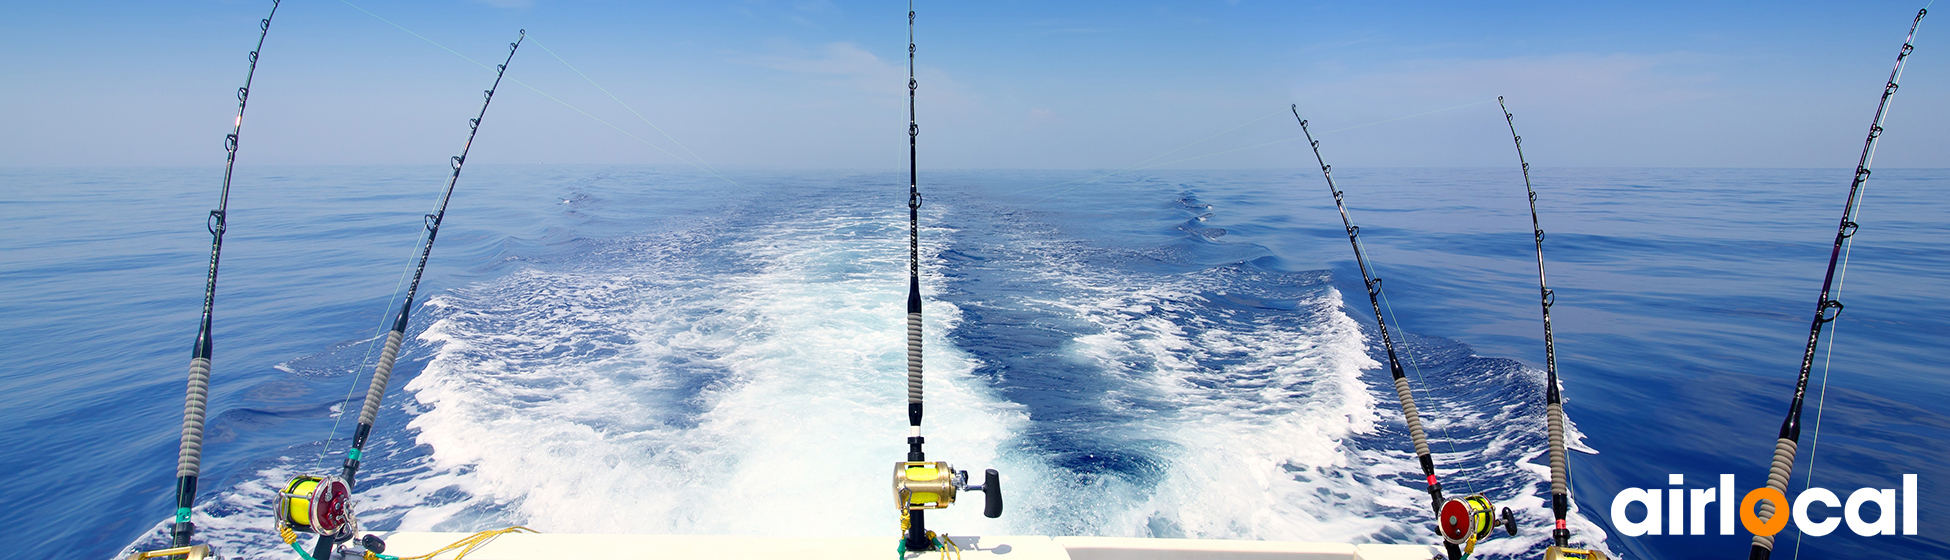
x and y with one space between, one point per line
465 546
951 545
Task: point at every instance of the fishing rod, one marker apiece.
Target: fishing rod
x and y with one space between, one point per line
920 485
189 455
1553 403
1461 521
914 371
1790 436
322 504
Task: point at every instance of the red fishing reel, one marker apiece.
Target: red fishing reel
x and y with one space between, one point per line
321 505
1470 519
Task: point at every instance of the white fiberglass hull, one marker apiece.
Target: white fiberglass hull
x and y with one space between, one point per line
565 546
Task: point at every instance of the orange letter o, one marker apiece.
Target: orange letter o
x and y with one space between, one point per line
1772 525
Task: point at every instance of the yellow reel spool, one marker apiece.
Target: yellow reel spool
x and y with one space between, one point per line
923 485
1466 519
316 505
294 503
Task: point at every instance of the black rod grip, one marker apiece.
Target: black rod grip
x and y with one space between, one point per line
992 494
323 549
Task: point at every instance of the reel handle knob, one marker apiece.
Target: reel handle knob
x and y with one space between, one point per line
992 494
1509 522
373 543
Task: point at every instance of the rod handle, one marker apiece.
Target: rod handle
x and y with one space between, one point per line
992 494
323 549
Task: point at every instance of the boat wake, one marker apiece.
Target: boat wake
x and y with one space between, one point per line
743 375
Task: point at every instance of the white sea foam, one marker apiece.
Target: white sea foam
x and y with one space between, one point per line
650 397
1275 431
710 382
1257 409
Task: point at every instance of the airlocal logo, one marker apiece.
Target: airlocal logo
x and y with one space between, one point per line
1679 510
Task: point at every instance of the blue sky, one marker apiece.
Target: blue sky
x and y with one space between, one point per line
1085 85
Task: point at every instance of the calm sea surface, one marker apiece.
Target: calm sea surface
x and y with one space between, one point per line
1173 354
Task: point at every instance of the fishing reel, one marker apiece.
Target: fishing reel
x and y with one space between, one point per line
933 485
192 552
1561 553
1469 519
921 486
321 505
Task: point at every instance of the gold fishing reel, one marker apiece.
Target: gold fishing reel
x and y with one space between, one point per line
192 552
1470 519
321 505
933 485
1561 553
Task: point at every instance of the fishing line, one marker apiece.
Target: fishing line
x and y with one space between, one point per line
553 98
1821 399
1409 350
321 504
366 360
639 116
1821 402
1827 360
1135 167
625 132
1841 279
410 32
1450 524
1827 309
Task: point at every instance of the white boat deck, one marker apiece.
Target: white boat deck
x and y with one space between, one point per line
569 546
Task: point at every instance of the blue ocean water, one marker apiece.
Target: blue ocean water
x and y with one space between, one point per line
1157 354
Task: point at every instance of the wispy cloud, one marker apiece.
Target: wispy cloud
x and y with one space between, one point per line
841 58
841 72
1606 108
1619 81
842 64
